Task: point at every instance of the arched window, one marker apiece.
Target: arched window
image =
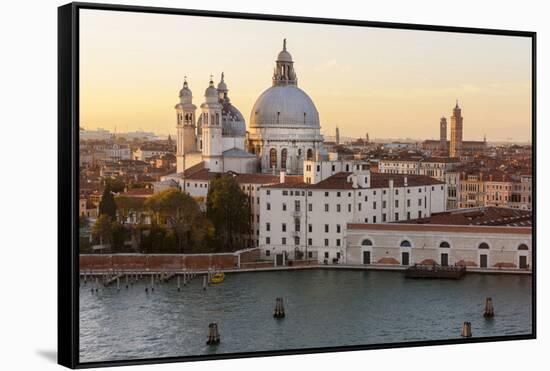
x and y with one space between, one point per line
483 245
309 155
523 247
283 158
366 242
444 244
273 158
405 243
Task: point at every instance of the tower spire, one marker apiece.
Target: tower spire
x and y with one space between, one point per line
284 45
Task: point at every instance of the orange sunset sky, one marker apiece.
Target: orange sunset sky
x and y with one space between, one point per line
389 83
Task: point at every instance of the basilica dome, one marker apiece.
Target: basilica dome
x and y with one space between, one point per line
284 105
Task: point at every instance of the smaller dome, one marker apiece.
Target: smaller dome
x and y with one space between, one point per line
284 56
185 91
222 87
211 91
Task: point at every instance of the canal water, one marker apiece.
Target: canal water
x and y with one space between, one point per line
323 307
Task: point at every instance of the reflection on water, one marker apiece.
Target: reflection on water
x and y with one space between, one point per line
323 308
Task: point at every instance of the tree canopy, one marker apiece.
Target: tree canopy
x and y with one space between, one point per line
228 208
107 204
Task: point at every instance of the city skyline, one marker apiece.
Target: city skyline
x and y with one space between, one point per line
370 89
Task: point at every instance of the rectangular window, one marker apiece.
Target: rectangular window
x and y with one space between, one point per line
337 228
408 203
338 208
326 194
285 193
267 240
396 216
296 205
310 228
337 242
359 206
366 198
349 208
297 225
383 204
419 202
296 240
383 217
268 226
374 219
326 208
309 242
283 227
408 215
338 194
310 207
326 254
268 206
267 253
374 205
326 241
284 206
268 192
326 228
420 214
396 203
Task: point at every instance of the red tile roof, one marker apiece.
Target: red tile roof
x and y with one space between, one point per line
486 216
439 228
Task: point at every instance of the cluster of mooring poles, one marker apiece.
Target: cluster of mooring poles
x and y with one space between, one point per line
279 311
488 312
213 334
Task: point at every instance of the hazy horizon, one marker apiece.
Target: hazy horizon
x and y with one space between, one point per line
389 83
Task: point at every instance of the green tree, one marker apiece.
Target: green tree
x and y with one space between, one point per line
102 229
228 208
116 185
107 205
182 216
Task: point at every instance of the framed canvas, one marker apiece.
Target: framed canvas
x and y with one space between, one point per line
241 185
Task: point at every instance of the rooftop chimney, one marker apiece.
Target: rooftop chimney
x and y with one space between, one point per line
282 177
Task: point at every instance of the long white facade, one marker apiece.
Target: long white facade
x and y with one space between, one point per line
301 220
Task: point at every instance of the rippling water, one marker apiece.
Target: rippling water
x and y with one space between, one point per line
323 308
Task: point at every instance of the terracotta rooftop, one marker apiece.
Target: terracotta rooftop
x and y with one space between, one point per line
484 216
138 192
439 228
378 180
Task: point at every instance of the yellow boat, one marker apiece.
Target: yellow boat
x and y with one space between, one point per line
218 277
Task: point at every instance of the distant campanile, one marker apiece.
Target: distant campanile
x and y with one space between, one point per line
337 135
443 134
455 146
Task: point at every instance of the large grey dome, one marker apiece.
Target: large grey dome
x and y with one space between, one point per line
284 106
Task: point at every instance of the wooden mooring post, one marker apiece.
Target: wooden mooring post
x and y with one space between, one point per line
466 330
279 311
178 279
213 334
204 282
489 310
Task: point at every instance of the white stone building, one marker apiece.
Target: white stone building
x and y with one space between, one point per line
473 246
309 220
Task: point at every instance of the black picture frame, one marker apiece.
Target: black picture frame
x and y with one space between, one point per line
68 187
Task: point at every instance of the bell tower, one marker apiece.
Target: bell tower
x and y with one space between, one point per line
455 146
185 141
212 129
443 134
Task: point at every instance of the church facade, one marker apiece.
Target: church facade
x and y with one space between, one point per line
284 127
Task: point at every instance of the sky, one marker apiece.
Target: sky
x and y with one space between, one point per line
388 83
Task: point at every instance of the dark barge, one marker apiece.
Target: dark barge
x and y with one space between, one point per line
435 271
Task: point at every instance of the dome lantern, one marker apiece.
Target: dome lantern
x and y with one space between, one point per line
284 70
